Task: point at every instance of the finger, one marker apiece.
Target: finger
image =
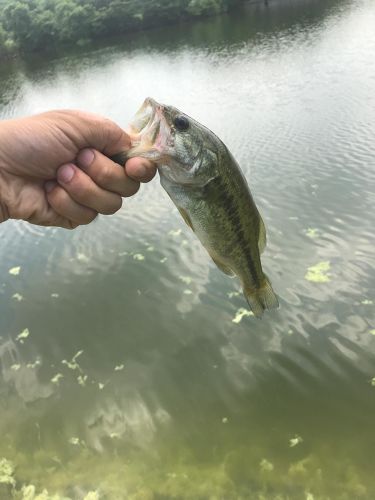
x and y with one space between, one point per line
140 169
106 173
90 129
66 207
83 190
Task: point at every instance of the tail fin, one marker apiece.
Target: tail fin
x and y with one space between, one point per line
261 298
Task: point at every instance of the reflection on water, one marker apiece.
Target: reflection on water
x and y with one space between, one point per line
129 366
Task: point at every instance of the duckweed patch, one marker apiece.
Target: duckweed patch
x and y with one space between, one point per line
319 273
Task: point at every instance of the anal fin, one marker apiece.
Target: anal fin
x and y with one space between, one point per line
223 267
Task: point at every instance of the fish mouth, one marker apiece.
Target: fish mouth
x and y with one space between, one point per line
149 131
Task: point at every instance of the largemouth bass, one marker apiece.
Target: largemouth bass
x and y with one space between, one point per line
206 184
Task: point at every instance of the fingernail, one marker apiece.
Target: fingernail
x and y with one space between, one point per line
86 157
49 185
65 174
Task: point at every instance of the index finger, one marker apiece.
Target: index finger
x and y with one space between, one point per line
140 169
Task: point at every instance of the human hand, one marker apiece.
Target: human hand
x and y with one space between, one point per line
55 170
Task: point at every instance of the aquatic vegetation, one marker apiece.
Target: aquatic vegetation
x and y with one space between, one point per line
72 364
56 379
185 279
82 379
266 466
76 441
311 232
15 271
241 313
295 441
23 335
319 272
82 258
367 302
36 363
6 472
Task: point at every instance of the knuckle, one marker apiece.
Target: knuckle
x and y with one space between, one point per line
102 174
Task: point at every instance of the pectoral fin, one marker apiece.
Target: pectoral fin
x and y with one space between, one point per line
186 217
262 239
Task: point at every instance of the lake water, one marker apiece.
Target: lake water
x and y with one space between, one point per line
132 380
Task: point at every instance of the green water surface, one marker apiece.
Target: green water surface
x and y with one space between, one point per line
128 368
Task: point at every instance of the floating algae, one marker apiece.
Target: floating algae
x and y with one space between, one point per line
15 271
72 364
56 378
319 272
185 279
175 232
6 472
241 313
311 232
23 335
294 441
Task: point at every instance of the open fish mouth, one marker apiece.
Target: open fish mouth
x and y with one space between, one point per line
144 116
149 131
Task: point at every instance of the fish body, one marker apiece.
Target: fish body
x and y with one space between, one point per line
206 184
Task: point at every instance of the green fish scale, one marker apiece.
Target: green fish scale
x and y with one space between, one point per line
237 244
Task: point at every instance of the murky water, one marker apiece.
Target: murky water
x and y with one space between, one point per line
122 371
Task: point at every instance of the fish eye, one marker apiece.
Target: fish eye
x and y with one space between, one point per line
181 123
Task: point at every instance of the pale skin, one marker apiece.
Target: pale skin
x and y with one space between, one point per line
55 170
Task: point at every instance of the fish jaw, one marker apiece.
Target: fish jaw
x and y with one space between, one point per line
149 132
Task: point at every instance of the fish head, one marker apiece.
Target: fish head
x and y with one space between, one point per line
184 150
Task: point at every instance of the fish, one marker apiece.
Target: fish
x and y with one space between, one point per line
207 186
